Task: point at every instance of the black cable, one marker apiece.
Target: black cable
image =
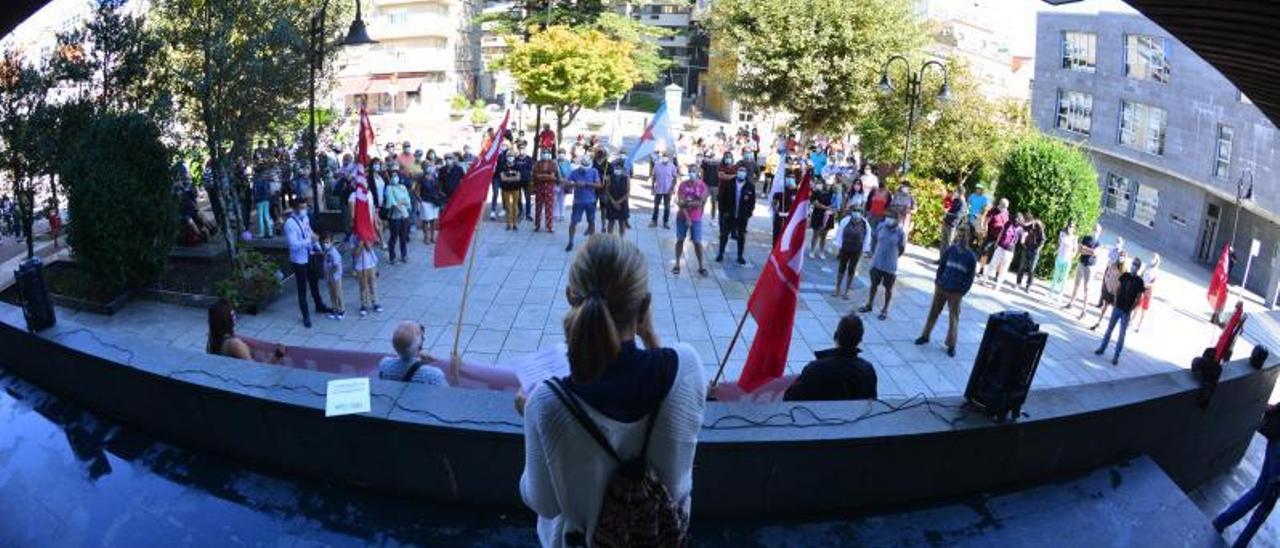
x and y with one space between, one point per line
792 416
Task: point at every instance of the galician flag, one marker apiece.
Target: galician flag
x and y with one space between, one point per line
458 221
657 134
773 302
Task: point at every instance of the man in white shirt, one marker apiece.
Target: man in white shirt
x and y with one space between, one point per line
302 243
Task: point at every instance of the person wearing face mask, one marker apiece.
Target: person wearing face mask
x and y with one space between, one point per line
398 206
821 218
545 176
853 242
726 173
750 162
585 181
956 213
450 177
903 204
784 196
737 202
303 250
952 280
617 211
509 183
565 163
524 163
890 243
506 160
663 178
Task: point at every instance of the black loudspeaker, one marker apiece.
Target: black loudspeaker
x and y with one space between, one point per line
37 303
1006 364
1259 356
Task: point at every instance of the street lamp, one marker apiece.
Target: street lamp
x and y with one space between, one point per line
1242 193
915 81
357 35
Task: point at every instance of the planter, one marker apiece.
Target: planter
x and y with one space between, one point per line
456 116
595 126
107 308
59 276
691 127
177 298
255 306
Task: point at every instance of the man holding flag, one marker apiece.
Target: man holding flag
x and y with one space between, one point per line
1219 285
657 133
773 303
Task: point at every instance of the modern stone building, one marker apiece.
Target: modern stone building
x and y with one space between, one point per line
1174 142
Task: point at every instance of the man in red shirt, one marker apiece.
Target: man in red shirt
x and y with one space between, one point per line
546 138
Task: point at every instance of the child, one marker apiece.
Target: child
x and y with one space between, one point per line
333 275
366 259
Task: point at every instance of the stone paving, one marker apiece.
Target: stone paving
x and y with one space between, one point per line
516 307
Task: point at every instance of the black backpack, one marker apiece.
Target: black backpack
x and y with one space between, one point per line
637 509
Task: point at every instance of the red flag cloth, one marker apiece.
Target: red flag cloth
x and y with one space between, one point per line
1218 285
1228 337
458 222
365 138
363 223
773 302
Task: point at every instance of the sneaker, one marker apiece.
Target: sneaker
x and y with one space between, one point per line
377 308
864 309
951 351
364 312
719 258
742 261
1115 360
822 256
333 315
492 215
306 322
1099 351
342 316
569 247
922 340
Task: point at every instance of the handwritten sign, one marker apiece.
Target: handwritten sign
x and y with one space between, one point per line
347 397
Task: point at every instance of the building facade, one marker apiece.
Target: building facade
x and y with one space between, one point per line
427 52
1173 141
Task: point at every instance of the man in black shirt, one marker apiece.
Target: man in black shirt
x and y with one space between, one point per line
837 374
1126 298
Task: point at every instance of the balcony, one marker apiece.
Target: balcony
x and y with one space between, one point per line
384 28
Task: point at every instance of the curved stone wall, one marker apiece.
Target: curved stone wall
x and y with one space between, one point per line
753 459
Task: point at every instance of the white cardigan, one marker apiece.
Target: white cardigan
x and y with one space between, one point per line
565 471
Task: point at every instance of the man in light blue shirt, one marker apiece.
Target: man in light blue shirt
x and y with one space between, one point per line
979 202
584 181
410 363
891 243
302 243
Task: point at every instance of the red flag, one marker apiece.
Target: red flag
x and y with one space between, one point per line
1218 285
773 302
1228 337
458 222
366 138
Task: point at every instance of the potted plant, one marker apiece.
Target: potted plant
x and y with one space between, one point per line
479 116
458 106
594 125
254 282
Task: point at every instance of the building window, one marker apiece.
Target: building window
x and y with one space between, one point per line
1142 127
1178 219
1146 58
1080 51
1146 205
1119 196
1222 167
1075 111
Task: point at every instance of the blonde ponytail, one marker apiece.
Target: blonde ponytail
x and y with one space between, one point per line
608 286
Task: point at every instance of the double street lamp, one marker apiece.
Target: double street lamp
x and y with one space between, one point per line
357 35
915 83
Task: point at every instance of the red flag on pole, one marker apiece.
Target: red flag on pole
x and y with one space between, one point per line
365 138
458 222
773 302
1218 284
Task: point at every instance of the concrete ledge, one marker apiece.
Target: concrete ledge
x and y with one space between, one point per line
753 459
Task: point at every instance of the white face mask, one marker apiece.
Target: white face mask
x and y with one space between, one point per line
892 222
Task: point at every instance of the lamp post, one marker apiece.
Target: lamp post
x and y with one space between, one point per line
1242 193
357 35
915 81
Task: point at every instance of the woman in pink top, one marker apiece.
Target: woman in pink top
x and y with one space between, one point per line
691 196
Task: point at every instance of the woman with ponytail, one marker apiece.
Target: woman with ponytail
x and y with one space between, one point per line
623 388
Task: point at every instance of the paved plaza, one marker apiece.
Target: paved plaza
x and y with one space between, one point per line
517 304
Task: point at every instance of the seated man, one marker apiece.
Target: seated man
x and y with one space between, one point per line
411 363
838 373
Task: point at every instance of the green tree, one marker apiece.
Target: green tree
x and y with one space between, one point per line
531 16
1055 182
23 95
117 176
117 61
567 69
957 140
240 66
819 60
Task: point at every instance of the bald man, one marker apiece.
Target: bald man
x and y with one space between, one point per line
411 364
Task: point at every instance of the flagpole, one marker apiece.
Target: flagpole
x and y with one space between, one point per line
466 291
725 360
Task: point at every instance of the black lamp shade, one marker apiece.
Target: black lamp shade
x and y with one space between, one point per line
357 35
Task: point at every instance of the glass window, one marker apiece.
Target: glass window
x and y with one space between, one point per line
1222 167
1080 51
1145 206
1119 196
1142 127
1146 58
1075 111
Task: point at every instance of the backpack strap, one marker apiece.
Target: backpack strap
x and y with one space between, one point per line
575 408
413 370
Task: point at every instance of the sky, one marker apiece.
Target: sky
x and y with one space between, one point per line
1019 17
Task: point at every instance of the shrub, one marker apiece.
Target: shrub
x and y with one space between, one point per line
926 223
459 102
254 280
644 102
123 210
1056 183
478 116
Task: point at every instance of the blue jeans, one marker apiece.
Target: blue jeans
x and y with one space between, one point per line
1121 316
266 227
1263 495
494 196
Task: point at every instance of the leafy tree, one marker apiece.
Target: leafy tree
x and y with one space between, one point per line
957 140
532 16
125 213
240 66
1055 182
819 60
567 69
23 93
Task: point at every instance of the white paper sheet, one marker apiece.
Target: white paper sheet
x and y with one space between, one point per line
347 397
547 363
